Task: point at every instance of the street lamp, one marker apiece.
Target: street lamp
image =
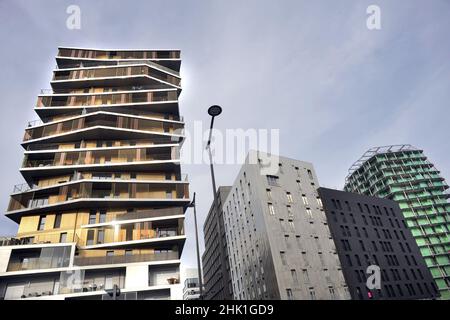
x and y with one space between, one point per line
200 281
214 111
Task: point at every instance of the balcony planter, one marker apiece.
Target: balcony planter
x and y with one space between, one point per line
173 280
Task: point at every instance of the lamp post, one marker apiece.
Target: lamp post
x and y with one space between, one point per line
214 111
199 267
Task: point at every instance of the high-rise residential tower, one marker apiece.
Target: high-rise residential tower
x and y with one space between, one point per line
279 242
372 240
404 174
216 268
104 199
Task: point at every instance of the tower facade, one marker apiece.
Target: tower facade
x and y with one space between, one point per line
103 204
372 238
278 239
216 268
404 174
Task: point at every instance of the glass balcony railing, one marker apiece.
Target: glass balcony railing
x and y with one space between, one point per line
39 258
113 72
106 120
160 256
106 99
143 214
123 233
98 190
101 157
82 144
90 64
100 176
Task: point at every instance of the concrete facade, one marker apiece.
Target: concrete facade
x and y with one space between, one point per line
279 243
370 231
216 269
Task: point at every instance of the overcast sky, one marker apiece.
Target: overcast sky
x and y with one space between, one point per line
309 68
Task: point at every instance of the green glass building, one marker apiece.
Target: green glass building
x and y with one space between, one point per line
404 174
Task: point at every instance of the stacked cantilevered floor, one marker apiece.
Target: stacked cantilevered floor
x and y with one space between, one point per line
104 198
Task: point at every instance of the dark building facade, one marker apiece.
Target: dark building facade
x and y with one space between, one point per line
372 231
216 269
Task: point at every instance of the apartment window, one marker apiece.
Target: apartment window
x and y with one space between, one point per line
272 180
362 245
312 294
310 175
289 294
92 217
283 257
271 209
332 293
100 236
110 253
286 240
348 206
41 224
305 200
90 238
128 252
269 194
319 202
289 197
289 211
57 223
291 224
305 275
294 276
309 213
358 261
102 216
63 237
321 258
349 260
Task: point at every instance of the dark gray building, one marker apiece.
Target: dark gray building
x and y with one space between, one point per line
372 231
216 269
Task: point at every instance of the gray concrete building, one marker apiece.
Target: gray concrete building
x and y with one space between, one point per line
279 243
216 270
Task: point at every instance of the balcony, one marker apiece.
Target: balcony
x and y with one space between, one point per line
95 193
101 157
167 58
105 119
39 258
92 144
117 75
157 256
105 99
133 233
144 214
36 239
